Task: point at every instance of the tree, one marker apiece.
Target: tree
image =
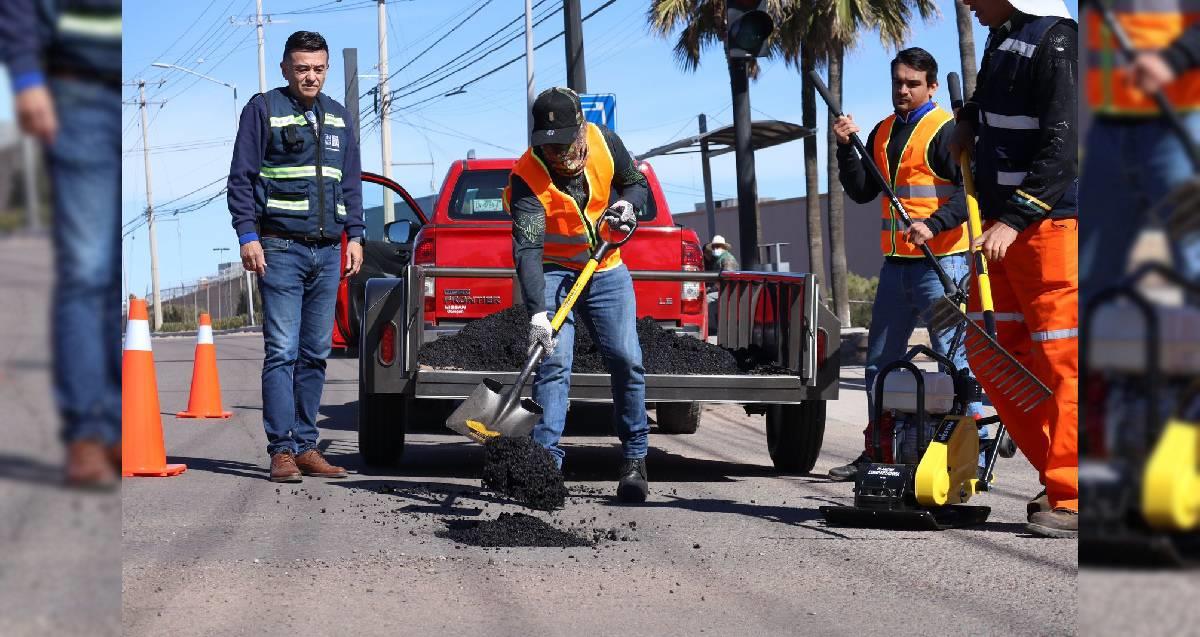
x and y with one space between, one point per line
966 46
837 203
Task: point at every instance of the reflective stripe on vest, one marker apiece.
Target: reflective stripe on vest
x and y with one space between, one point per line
569 236
288 204
298 172
333 120
91 26
1055 335
288 120
1150 25
919 188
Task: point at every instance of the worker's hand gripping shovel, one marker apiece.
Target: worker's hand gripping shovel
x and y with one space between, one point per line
1012 378
491 411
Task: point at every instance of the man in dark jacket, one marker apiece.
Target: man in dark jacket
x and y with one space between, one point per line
294 188
64 59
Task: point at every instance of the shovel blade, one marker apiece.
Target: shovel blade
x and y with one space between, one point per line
479 417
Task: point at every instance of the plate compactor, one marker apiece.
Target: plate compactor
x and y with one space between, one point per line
931 468
1139 469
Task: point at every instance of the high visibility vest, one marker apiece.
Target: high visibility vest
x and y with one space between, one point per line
918 187
1010 126
1151 25
292 199
571 233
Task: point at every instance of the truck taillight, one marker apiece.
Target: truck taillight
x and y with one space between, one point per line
693 291
426 254
387 345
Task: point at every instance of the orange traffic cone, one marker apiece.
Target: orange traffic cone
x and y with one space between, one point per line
205 400
142 450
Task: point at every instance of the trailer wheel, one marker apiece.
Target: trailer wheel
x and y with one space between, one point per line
678 418
794 435
381 423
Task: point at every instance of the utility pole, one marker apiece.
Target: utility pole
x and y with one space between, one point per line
350 69
385 124
710 210
573 28
33 215
747 184
221 280
156 297
262 55
529 96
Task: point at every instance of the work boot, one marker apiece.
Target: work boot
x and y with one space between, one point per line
114 456
849 471
87 466
283 468
312 463
633 486
1060 522
1039 504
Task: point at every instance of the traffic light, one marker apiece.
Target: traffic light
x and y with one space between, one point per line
748 27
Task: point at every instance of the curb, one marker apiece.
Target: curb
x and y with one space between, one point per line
256 329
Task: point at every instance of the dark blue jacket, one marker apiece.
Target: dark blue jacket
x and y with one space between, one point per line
81 38
275 185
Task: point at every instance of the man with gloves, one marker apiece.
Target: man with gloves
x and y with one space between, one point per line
559 191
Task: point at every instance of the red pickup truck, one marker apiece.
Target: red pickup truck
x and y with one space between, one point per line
469 228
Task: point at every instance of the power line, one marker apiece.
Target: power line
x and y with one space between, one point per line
439 40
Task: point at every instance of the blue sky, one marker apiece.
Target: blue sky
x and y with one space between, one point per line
657 102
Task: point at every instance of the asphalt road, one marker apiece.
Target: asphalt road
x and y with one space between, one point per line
724 546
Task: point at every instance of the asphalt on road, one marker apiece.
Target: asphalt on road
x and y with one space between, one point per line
723 546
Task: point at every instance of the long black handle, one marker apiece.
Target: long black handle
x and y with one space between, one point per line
954 85
1168 112
835 108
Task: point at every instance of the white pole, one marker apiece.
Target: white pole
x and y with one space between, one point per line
156 298
529 67
385 124
262 58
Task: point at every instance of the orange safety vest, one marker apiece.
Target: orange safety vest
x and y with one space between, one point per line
920 189
1151 25
569 236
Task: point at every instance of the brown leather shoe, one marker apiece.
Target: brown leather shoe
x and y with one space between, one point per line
284 469
1057 523
312 463
88 466
1039 504
114 457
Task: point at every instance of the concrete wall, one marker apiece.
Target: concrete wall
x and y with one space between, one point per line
784 220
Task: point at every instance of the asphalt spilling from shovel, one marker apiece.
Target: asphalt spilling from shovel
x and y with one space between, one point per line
499 342
525 472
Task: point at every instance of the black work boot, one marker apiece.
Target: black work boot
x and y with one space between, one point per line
849 471
633 486
1057 523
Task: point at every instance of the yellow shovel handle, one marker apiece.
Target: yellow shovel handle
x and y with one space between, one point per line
563 310
974 229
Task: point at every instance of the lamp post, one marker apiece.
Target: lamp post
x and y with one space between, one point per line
220 282
164 65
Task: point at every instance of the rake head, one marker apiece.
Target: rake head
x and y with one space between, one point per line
991 363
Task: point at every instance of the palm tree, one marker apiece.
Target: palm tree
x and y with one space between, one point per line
808 35
966 47
836 205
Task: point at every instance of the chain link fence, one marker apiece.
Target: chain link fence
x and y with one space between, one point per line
222 296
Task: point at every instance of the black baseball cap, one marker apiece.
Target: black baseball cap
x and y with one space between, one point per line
557 117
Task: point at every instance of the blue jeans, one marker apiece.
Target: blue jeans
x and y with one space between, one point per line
608 307
1128 168
85 170
298 294
906 291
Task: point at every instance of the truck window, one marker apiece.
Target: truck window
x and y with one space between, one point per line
373 201
478 197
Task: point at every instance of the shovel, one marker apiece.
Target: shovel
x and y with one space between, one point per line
1015 381
491 411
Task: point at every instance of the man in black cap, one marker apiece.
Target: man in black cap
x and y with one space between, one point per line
573 173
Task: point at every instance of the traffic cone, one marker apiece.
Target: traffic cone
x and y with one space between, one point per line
205 399
142 450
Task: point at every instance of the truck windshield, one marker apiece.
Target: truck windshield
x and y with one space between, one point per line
478 197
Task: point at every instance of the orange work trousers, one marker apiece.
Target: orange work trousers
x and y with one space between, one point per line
1035 293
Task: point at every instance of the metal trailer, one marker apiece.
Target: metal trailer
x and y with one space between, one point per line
779 313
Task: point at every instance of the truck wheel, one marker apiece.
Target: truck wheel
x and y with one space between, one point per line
381 423
678 418
794 435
